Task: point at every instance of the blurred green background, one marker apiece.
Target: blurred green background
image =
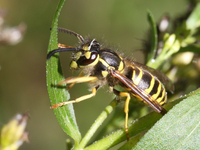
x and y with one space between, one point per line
121 24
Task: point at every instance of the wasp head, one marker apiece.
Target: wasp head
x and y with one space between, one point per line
87 56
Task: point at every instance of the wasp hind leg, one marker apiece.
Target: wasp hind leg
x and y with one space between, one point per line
126 108
82 98
73 81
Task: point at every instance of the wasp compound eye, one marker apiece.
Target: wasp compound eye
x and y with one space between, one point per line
88 59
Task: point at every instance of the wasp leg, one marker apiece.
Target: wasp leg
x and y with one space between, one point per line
82 98
78 80
126 108
72 84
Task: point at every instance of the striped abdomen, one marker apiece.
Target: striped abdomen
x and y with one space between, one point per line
147 83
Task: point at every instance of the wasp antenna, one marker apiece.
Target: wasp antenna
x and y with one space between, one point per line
60 50
81 39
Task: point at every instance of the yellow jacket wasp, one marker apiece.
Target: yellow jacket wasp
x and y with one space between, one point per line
104 66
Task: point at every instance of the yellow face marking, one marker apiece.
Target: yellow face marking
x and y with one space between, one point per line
73 64
151 85
78 55
104 73
87 55
158 92
86 48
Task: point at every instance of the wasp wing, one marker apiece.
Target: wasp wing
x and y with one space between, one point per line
141 93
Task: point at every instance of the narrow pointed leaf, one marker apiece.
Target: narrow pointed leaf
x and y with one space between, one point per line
154 36
179 129
65 115
193 20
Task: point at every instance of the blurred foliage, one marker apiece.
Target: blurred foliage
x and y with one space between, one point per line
119 23
13 134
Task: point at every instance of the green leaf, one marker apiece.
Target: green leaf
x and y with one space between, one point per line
135 127
65 115
179 129
133 141
191 48
193 20
154 37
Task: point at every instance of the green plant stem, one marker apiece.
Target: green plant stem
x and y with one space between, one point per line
155 63
136 127
96 124
166 54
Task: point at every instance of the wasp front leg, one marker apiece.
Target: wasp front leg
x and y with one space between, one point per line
74 80
72 84
126 108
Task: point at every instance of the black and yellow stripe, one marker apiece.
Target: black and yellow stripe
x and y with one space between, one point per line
147 83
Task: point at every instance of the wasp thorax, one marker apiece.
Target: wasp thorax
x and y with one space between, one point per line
87 56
